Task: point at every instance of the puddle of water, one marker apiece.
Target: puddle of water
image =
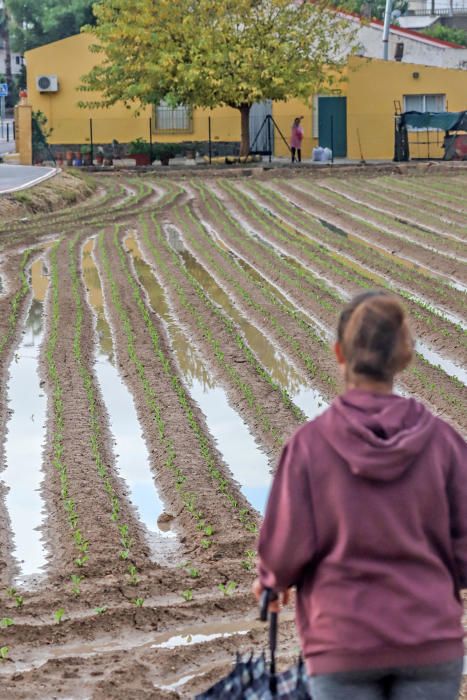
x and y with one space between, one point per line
131 453
25 435
436 359
32 660
277 364
188 639
247 463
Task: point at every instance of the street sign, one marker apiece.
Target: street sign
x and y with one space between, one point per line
3 89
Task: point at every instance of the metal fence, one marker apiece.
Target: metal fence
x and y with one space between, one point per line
193 134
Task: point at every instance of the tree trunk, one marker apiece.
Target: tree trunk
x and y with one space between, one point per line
245 141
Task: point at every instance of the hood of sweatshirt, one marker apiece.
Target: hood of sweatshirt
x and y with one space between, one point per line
378 435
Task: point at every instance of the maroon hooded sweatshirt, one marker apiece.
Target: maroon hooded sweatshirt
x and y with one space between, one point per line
367 516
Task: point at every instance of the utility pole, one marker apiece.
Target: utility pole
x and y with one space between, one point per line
386 29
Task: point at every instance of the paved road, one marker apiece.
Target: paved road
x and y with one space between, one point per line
14 177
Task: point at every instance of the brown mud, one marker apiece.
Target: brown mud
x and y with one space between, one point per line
172 625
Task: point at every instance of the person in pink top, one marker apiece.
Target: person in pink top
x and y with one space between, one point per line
296 139
367 518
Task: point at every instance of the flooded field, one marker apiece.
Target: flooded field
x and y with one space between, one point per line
155 355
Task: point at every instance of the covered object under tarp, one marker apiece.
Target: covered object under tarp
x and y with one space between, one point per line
432 124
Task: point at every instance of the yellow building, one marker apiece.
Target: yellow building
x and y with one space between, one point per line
358 122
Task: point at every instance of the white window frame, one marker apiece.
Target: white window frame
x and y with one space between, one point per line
173 119
424 96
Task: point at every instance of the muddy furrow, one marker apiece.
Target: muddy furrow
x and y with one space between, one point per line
416 231
178 442
260 404
122 514
297 334
77 502
370 243
337 235
399 197
335 272
421 379
116 207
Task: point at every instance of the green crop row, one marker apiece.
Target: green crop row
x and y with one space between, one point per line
95 439
452 397
372 206
182 396
189 498
306 358
15 304
246 390
69 505
365 252
428 214
426 313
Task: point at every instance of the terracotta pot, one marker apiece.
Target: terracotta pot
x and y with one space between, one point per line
99 159
142 158
69 157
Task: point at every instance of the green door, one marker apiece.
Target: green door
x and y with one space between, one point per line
332 124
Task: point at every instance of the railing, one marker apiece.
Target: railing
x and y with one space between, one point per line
460 9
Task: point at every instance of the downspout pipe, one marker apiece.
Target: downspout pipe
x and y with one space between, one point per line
387 26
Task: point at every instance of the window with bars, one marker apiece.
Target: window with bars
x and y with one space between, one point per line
424 103
168 118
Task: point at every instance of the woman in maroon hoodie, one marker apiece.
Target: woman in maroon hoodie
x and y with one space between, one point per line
367 518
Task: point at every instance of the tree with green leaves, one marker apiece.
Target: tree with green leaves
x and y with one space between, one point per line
455 35
202 53
39 22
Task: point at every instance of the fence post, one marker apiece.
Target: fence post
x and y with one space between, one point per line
91 138
332 139
269 138
8 132
209 135
150 138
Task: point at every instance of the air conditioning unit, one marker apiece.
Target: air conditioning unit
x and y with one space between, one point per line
47 83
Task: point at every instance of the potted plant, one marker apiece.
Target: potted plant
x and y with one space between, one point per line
164 152
99 155
86 153
140 150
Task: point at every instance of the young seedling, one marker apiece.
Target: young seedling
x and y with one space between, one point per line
139 602
75 588
101 610
4 651
58 615
6 622
228 589
188 594
248 561
192 572
133 572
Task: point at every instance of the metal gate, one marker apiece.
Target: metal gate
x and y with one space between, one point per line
260 142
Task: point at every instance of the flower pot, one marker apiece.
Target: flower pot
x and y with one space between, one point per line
69 157
142 158
77 162
165 160
108 161
99 160
87 159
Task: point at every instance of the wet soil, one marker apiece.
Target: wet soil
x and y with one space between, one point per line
168 626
